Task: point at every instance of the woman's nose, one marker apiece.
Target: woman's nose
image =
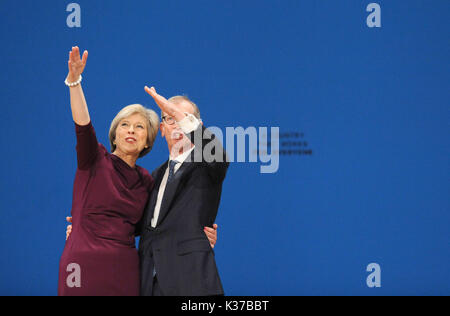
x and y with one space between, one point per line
131 130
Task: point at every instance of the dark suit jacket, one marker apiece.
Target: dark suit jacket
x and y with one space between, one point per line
178 247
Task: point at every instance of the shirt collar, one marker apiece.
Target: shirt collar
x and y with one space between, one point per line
181 158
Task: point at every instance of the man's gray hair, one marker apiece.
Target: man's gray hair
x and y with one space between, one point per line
178 98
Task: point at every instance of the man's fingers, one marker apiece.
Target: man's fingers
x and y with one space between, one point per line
68 231
152 92
69 219
149 91
159 99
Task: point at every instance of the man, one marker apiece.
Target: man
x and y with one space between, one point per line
175 254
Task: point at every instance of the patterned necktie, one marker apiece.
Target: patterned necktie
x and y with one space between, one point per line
172 164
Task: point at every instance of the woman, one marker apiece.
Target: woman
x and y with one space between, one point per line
109 197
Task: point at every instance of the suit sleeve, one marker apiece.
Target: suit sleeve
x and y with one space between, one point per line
87 146
208 149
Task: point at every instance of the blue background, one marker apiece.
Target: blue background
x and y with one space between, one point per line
373 104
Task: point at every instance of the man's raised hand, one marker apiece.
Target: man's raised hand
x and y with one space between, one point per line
165 105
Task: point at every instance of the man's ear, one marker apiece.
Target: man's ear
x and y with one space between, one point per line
161 129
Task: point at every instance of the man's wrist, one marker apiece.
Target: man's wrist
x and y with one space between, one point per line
189 123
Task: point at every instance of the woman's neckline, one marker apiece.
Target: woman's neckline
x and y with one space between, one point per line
124 162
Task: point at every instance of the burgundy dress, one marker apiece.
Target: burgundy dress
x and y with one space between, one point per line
109 197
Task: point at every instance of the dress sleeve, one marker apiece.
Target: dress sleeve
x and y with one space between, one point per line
87 146
149 182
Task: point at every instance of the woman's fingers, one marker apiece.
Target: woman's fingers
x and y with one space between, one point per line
85 56
209 230
72 57
211 234
76 53
76 64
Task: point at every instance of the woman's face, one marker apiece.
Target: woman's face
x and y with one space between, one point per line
131 135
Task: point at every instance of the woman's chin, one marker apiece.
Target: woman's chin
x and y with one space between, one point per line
131 150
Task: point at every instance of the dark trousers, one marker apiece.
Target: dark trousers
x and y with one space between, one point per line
156 289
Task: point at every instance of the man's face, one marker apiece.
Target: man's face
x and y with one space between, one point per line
170 129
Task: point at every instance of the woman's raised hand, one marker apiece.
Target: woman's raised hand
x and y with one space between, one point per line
76 64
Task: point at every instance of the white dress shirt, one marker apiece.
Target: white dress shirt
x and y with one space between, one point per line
189 124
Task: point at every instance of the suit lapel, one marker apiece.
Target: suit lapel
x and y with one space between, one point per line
172 188
154 195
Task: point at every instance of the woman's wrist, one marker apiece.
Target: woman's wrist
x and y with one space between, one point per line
73 82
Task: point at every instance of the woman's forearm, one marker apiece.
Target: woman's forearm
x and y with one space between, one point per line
76 65
80 113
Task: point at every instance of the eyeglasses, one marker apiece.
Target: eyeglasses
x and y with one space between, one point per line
169 120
